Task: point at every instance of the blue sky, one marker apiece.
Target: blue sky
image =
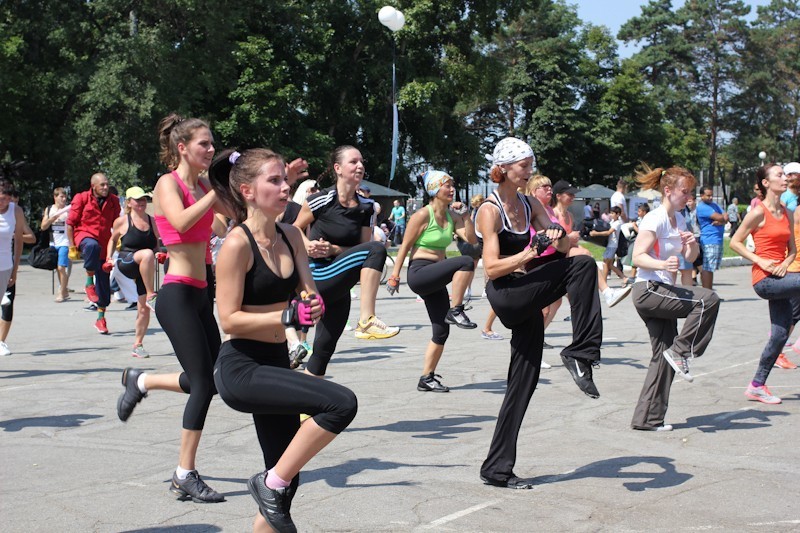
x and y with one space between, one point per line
615 13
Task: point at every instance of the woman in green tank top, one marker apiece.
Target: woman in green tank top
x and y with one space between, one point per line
429 232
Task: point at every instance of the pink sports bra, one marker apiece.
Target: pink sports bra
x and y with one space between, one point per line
200 232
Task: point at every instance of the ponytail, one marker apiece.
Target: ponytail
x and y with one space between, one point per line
172 130
230 169
658 178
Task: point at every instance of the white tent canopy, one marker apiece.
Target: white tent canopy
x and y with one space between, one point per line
595 191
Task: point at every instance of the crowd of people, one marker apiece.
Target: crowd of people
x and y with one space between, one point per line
284 265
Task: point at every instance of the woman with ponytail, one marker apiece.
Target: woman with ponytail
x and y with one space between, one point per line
342 253
770 224
184 205
262 268
660 303
522 283
430 231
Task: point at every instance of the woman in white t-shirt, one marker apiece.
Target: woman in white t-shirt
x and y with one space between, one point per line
55 218
660 303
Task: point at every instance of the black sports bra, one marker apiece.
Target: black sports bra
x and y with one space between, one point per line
261 285
136 239
511 242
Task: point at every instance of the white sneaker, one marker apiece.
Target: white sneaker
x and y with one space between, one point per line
374 328
4 350
6 299
615 296
545 365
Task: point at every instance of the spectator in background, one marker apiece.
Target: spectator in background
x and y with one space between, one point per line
91 215
596 210
733 214
711 219
789 197
759 196
55 219
398 218
618 199
365 191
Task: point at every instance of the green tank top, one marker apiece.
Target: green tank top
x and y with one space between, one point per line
435 237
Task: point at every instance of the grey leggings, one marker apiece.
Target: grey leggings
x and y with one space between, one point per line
779 292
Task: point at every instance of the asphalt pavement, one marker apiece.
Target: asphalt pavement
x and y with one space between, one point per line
410 460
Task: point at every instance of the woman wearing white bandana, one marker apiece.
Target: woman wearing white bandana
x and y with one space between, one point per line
521 285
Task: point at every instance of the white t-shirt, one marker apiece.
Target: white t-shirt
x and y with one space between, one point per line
613 238
668 243
618 199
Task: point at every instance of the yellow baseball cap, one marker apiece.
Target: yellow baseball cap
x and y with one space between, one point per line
136 193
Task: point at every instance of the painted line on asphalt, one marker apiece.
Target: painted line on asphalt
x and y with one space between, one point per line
459 514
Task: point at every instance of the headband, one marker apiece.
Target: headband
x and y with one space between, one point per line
510 150
434 179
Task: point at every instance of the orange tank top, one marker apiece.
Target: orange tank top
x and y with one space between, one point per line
771 240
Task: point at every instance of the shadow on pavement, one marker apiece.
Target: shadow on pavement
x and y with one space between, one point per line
53 372
444 427
730 420
63 421
188 528
337 475
624 468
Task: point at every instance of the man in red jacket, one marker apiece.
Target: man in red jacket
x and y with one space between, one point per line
91 215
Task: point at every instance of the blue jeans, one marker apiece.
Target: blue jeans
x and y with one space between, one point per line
778 291
90 250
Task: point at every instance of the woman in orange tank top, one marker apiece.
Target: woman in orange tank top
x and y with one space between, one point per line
771 224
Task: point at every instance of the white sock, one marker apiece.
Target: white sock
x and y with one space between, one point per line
181 473
140 384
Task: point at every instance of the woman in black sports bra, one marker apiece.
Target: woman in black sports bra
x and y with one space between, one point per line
521 285
261 267
136 260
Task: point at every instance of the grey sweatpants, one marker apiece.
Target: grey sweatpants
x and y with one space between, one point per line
661 305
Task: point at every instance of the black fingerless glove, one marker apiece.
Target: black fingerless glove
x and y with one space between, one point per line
560 228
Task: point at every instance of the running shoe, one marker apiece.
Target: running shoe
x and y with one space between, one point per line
297 355
761 394
132 395
457 317
91 293
131 307
491 336
615 296
374 328
545 365
680 364
6 299
4 349
546 346
92 308
581 371
151 302
101 326
431 383
140 352
662 427
784 363
195 489
274 504
308 347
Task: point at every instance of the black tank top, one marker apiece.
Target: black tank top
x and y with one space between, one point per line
136 239
509 240
261 285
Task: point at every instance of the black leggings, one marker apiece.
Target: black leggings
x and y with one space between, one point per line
429 279
518 302
7 311
334 279
186 316
254 377
129 268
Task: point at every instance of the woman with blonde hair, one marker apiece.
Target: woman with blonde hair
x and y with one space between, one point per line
138 237
660 302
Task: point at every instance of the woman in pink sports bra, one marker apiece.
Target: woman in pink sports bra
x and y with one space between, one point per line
184 206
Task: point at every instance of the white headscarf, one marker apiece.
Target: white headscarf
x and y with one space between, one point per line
510 150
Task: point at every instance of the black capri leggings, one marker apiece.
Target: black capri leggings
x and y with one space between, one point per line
334 279
429 279
7 311
254 377
185 315
129 268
